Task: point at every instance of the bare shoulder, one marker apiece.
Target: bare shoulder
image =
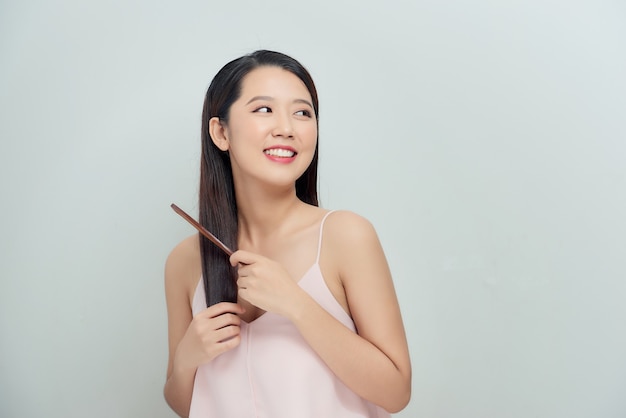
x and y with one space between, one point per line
352 245
183 266
184 253
344 227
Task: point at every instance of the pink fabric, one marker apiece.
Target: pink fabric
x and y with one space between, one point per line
273 373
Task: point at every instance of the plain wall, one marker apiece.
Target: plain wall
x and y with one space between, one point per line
485 140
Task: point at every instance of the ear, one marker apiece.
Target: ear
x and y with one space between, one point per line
218 132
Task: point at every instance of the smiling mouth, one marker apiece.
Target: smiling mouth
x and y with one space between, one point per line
279 152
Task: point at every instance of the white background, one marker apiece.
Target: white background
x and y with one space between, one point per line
486 141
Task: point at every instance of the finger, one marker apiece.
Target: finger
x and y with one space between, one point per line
242 282
243 293
226 333
227 344
245 283
243 271
243 257
225 320
221 308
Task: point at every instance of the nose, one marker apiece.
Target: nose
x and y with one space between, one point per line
284 126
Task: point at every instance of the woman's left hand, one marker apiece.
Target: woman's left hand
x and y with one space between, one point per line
265 283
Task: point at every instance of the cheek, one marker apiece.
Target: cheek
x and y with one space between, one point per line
311 135
243 127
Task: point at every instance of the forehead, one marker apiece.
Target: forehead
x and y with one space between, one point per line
274 82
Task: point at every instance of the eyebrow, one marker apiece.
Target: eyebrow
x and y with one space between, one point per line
269 98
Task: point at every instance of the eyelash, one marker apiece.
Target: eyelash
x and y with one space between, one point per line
304 112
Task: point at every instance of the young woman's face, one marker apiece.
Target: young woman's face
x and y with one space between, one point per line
271 133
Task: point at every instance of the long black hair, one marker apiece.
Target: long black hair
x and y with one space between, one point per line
217 203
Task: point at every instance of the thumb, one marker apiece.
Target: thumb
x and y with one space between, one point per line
242 257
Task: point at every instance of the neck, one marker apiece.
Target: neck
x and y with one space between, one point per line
265 214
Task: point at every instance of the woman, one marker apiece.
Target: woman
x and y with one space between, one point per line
302 320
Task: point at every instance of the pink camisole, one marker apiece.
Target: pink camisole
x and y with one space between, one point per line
273 372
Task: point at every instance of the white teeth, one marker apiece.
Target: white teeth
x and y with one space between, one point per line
279 152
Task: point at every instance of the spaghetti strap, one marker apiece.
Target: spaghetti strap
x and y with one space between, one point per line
273 371
319 244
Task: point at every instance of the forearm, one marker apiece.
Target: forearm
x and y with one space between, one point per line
359 364
178 389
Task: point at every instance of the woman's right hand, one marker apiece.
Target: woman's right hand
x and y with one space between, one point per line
211 332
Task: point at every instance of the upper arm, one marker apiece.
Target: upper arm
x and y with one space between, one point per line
182 271
366 278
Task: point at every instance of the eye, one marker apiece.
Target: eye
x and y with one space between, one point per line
303 112
263 109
